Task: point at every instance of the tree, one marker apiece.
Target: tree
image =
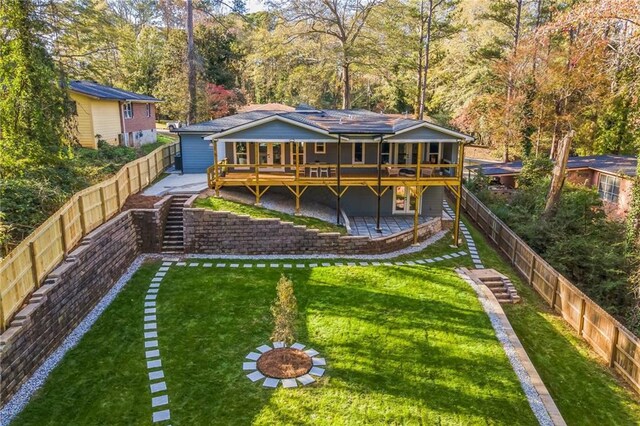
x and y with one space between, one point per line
191 66
222 102
340 20
35 112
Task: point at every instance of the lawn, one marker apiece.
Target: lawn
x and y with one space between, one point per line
220 204
404 345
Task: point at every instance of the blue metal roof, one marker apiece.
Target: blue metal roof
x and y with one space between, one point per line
100 91
611 164
333 121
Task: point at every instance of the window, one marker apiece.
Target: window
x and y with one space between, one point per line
148 110
127 110
300 150
609 188
240 153
385 152
358 153
320 148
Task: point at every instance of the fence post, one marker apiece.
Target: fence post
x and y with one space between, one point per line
34 264
514 250
554 296
83 219
2 324
103 206
118 192
139 175
533 267
129 179
583 308
614 346
63 236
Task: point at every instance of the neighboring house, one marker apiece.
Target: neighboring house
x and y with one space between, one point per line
118 116
612 175
367 164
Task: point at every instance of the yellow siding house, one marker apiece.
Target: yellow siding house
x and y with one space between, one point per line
108 114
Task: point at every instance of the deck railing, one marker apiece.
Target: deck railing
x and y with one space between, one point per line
310 171
25 267
618 346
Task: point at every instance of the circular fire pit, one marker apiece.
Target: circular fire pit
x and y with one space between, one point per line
282 364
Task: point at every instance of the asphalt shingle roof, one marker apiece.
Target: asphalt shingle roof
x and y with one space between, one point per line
100 91
352 121
611 164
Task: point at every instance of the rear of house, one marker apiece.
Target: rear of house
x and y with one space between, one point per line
116 116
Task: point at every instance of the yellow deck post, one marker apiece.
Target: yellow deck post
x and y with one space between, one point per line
215 167
297 154
256 153
416 213
456 223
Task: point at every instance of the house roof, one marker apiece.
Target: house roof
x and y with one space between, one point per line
99 91
610 164
347 122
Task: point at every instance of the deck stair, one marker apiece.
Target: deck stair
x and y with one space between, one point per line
173 238
499 284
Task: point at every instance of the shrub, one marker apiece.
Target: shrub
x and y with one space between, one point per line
285 312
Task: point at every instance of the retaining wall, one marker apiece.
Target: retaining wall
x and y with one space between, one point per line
216 232
67 295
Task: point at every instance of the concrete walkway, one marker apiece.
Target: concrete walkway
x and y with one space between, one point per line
177 183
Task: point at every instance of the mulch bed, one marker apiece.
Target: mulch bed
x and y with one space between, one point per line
138 201
284 363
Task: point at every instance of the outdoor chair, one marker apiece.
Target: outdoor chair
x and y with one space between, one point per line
393 171
324 171
313 171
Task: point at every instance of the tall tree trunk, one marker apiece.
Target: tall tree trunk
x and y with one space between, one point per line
346 86
191 66
420 56
558 175
425 73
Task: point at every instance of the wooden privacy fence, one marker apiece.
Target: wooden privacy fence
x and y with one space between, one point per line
610 339
26 266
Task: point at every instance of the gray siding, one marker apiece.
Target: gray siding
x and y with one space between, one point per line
424 134
197 155
279 131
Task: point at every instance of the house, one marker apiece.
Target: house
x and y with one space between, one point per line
363 163
612 175
118 116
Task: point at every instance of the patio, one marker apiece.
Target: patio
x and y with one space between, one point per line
366 225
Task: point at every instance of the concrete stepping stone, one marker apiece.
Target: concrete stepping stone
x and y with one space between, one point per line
319 361
249 366
270 382
279 345
264 348
253 356
317 371
161 416
311 352
298 346
306 379
255 376
289 383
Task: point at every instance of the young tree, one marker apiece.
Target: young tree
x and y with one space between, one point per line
191 66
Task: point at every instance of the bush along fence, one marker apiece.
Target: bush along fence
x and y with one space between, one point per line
25 268
610 339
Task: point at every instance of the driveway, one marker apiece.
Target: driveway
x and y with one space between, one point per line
176 183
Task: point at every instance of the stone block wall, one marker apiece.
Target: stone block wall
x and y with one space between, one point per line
64 299
214 232
150 225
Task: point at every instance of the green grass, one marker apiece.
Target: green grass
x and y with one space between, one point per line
585 391
404 345
162 139
220 204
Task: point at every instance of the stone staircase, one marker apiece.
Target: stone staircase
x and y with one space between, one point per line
173 239
500 285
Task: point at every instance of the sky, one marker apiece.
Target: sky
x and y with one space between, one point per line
255 5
